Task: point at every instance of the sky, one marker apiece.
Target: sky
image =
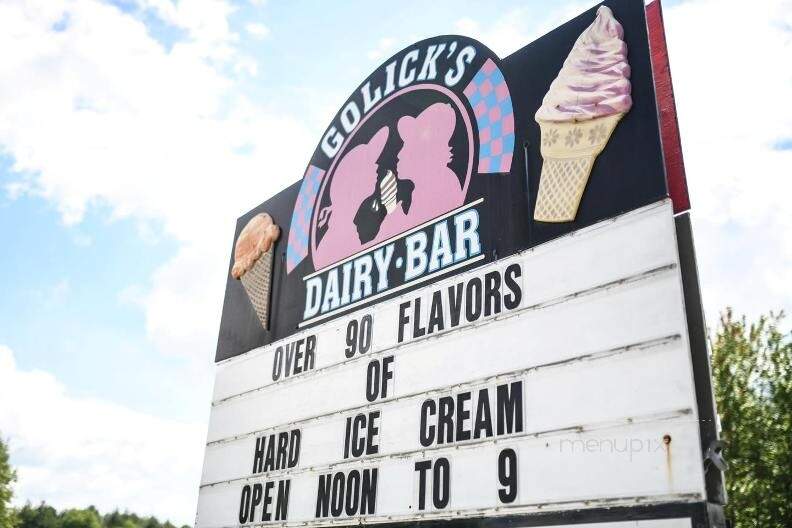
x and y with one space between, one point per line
133 133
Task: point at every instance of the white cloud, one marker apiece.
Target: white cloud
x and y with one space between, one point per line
59 292
257 30
51 294
385 47
102 113
729 121
81 239
16 189
503 35
206 22
78 451
520 26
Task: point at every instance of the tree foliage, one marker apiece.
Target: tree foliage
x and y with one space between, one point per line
752 374
87 518
42 516
45 516
7 478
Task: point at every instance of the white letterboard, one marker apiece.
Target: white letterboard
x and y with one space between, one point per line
558 378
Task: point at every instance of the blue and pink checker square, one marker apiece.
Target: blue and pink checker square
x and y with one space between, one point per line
489 97
300 228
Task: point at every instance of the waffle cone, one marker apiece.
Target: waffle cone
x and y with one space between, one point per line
569 150
256 282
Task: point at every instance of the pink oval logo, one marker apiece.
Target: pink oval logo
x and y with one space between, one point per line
408 161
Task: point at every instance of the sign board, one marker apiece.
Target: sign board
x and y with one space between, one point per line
474 306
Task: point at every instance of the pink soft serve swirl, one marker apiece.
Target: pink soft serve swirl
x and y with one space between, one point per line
595 78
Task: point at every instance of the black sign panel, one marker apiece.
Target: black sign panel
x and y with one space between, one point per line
433 166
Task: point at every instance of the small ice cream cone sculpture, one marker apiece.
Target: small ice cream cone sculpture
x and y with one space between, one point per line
253 254
578 115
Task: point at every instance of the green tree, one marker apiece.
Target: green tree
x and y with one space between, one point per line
87 518
45 516
116 519
7 478
41 516
752 374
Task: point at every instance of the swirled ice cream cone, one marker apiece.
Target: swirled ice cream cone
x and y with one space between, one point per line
253 262
578 115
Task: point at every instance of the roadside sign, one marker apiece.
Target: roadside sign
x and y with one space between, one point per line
480 303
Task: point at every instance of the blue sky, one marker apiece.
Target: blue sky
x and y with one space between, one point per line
133 132
58 285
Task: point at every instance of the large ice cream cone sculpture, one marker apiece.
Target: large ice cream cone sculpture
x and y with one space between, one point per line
253 262
578 115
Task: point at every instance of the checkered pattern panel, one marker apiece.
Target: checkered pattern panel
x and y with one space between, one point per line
489 96
300 228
